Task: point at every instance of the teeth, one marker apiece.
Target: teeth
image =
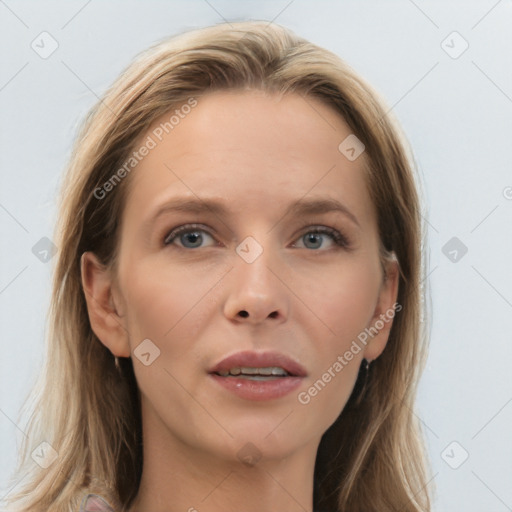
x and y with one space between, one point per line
266 372
249 371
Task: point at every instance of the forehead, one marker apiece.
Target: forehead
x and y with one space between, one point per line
256 151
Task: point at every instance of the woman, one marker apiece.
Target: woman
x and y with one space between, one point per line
236 312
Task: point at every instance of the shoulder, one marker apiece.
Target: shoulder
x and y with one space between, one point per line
95 503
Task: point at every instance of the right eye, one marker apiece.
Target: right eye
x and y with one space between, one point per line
190 236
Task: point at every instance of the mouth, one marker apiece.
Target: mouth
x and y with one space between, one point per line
258 376
249 364
266 373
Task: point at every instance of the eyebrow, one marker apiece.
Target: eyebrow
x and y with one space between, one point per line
300 207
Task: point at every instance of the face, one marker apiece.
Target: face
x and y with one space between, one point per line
249 274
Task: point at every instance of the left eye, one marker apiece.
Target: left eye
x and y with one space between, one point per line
316 235
191 237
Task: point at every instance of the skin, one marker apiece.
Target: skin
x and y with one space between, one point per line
256 153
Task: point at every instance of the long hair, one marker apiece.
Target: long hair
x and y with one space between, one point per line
87 408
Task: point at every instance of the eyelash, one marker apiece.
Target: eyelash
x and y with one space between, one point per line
338 238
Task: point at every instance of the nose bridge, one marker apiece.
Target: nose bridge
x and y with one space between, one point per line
254 265
256 292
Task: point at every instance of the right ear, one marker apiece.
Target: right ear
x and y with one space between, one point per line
106 322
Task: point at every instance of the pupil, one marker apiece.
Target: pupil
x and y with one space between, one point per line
192 237
313 237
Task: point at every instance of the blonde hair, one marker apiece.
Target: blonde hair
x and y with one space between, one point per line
87 408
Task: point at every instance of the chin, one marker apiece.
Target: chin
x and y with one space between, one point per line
266 438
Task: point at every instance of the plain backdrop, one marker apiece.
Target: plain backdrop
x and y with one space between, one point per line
444 68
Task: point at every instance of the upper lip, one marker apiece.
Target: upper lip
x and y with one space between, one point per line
250 359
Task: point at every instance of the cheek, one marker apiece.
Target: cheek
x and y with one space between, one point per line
167 304
345 303
344 299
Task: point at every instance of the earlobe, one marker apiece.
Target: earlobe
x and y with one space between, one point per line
104 318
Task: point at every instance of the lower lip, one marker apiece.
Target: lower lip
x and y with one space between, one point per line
258 389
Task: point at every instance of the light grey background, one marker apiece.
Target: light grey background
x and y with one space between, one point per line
456 112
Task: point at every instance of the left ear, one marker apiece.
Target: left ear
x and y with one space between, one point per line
382 320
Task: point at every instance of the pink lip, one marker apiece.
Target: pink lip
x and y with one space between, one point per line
254 389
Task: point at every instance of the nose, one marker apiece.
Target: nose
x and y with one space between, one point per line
256 292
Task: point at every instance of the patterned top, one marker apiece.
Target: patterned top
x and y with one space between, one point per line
95 503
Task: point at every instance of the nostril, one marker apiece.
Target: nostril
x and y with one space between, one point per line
245 314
